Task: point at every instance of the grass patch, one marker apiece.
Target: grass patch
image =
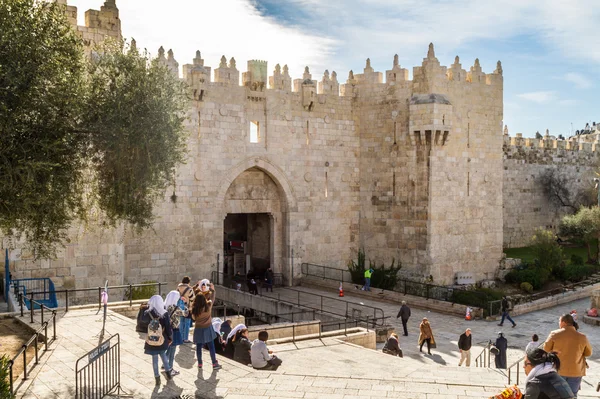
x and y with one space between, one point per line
526 253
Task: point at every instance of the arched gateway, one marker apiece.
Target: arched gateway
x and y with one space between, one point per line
257 201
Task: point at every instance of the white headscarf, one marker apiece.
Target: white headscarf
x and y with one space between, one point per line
172 299
235 330
216 323
204 285
157 304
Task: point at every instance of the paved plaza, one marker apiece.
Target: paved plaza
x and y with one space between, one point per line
311 369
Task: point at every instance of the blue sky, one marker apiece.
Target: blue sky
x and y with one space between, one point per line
550 50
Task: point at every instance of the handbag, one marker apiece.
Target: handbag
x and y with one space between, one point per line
494 351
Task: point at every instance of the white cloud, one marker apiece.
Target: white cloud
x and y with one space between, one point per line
580 81
540 97
225 27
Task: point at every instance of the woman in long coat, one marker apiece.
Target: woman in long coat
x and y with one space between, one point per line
426 336
502 345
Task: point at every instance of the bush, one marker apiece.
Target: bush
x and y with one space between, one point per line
4 375
525 286
533 274
546 250
383 277
576 260
142 292
575 272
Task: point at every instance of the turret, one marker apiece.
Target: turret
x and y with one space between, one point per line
279 80
329 85
227 73
396 74
430 77
197 76
256 77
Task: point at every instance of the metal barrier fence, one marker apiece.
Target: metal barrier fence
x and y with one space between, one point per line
99 375
35 338
323 304
95 293
406 287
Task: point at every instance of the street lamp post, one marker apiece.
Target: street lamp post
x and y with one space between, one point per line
597 187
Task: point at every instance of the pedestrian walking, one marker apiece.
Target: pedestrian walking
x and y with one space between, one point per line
542 379
572 348
464 346
175 315
368 274
502 345
159 336
404 315
426 336
506 308
203 331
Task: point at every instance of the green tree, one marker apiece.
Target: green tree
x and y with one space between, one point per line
546 250
584 226
114 120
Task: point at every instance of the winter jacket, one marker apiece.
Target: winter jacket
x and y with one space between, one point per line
464 342
572 347
242 351
404 312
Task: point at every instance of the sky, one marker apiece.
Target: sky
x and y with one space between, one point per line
550 50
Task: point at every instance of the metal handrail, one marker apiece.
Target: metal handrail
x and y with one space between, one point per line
23 351
425 290
485 355
376 310
99 291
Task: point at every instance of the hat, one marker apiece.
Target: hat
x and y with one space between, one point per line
424 318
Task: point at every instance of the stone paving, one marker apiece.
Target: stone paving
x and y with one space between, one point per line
311 369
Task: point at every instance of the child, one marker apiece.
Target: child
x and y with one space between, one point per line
261 356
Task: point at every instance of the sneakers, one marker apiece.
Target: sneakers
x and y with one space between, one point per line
217 366
199 365
174 373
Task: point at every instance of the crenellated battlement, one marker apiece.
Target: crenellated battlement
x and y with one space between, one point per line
518 142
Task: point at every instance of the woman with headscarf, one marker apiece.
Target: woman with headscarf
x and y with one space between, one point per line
175 316
203 331
426 336
543 381
242 347
229 347
217 323
160 336
502 345
225 330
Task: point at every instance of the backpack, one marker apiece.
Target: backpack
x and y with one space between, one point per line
155 332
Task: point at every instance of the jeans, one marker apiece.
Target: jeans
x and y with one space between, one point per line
507 316
171 355
367 284
574 383
165 361
211 349
184 327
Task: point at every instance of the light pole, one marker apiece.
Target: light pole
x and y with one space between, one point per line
597 187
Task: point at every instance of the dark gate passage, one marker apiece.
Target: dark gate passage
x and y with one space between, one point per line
247 243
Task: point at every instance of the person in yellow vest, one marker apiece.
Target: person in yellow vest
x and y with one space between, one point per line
368 274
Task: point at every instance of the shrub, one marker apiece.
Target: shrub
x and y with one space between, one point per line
575 272
478 297
546 250
533 274
4 375
142 292
383 277
525 286
576 260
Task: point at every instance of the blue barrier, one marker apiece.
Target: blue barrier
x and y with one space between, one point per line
27 286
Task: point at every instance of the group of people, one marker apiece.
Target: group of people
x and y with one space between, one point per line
251 280
168 323
554 370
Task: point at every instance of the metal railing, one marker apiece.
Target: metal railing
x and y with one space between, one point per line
518 370
96 294
35 338
101 376
483 360
323 304
404 286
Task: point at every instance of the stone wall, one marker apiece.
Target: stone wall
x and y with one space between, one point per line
526 206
